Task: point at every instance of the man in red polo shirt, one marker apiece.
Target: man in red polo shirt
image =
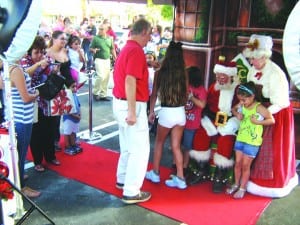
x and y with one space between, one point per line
130 110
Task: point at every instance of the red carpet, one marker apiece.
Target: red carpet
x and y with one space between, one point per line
196 205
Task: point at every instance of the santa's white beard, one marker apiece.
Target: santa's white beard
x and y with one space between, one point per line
227 86
227 92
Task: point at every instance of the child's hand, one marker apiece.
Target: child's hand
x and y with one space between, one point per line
256 118
154 64
151 117
240 116
253 119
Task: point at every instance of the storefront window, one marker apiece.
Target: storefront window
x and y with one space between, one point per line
192 21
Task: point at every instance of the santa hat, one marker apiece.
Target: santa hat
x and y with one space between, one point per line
258 46
228 68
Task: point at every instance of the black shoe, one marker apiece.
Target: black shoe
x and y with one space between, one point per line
141 197
77 148
96 97
220 180
218 186
70 151
195 178
104 99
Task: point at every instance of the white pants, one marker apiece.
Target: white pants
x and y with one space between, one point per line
134 147
102 67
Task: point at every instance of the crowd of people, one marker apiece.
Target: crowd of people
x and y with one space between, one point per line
229 126
60 55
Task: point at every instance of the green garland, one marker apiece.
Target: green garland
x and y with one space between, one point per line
260 16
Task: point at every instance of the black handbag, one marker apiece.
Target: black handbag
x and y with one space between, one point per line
52 86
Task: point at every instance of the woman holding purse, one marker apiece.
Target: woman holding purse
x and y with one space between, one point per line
58 54
39 66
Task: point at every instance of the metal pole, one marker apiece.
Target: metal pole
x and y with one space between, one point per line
91 135
90 75
12 136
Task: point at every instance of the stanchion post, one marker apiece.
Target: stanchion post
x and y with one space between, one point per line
12 137
92 135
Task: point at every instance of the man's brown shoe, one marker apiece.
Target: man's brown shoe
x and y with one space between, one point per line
141 197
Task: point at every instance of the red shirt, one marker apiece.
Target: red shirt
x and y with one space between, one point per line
193 112
131 61
111 33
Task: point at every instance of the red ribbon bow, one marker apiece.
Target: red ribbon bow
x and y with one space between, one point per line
258 75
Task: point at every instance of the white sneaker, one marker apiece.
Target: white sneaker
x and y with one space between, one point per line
176 182
152 176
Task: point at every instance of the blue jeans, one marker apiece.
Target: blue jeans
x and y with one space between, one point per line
188 138
23 132
88 54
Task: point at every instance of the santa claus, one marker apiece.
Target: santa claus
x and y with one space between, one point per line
218 127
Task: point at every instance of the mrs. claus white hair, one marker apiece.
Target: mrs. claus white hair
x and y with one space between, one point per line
258 46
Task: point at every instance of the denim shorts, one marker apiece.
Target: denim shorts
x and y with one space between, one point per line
249 150
188 138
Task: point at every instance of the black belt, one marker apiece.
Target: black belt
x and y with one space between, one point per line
170 106
124 99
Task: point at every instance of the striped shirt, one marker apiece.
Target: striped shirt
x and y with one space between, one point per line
23 112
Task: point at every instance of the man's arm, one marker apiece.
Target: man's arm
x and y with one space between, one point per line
113 51
130 89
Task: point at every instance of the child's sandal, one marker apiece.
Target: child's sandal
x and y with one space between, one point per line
240 193
232 189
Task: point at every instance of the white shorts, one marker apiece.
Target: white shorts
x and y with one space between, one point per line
70 127
171 116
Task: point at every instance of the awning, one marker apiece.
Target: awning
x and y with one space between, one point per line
158 2
128 1
163 2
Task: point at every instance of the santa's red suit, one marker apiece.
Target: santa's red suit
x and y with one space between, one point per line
220 100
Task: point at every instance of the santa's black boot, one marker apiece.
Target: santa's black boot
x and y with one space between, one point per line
220 180
201 174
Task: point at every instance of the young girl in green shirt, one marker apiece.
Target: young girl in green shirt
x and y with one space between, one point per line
253 116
